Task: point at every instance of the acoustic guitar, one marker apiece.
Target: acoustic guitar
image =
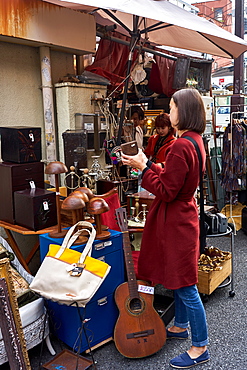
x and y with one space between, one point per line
139 330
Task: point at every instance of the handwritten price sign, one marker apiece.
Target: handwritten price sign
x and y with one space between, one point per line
146 289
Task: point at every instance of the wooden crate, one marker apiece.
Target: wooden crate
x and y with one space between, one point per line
208 281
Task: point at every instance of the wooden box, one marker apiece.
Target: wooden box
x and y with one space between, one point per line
15 177
35 209
21 144
208 281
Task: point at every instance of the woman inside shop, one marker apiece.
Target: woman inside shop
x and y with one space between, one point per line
159 143
170 244
137 116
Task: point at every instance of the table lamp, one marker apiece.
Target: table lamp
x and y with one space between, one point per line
56 168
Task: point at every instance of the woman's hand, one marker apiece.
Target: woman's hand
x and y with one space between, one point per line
136 161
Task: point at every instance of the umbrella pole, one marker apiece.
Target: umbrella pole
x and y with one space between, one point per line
134 39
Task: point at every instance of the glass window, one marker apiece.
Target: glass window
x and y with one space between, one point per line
218 14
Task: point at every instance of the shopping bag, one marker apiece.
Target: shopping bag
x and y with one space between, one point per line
67 276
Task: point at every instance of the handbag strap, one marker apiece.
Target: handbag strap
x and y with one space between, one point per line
202 217
200 168
70 239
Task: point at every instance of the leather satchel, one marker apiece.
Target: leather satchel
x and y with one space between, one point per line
67 276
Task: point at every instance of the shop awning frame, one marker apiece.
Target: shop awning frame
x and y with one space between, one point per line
163 23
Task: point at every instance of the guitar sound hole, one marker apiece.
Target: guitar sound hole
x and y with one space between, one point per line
136 305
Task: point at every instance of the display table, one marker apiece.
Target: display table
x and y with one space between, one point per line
124 186
101 313
9 228
144 197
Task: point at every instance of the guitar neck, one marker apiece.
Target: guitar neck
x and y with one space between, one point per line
132 282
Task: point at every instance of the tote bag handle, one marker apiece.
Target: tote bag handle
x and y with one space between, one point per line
69 239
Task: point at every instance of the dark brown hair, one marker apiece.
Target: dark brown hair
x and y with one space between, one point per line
163 120
137 109
191 111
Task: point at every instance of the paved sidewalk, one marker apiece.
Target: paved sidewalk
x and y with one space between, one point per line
227 317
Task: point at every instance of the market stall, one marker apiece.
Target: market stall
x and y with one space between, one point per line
94 114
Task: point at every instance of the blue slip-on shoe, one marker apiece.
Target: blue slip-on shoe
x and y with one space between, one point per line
184 361
182 335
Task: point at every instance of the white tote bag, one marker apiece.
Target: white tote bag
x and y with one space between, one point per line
67 276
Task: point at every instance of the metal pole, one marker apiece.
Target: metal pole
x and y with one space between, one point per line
238 80
125 94
134 38
138 47
48 107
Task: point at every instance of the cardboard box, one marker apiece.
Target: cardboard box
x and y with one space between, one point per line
208 281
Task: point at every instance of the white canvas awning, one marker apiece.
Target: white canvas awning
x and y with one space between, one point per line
164 23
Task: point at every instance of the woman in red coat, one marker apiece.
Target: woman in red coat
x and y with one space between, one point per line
159 143
170 243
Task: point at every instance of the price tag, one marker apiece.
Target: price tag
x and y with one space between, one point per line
146 289
75 269
45 205
32 184
31 136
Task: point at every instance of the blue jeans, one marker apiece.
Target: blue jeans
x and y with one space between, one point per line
189 310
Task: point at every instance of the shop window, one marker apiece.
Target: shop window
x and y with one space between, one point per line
245 26
192 73
218 14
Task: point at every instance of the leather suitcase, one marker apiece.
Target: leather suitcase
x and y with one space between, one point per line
75 148
35 209
20 144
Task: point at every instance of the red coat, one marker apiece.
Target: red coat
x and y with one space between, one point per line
170 243
162 152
